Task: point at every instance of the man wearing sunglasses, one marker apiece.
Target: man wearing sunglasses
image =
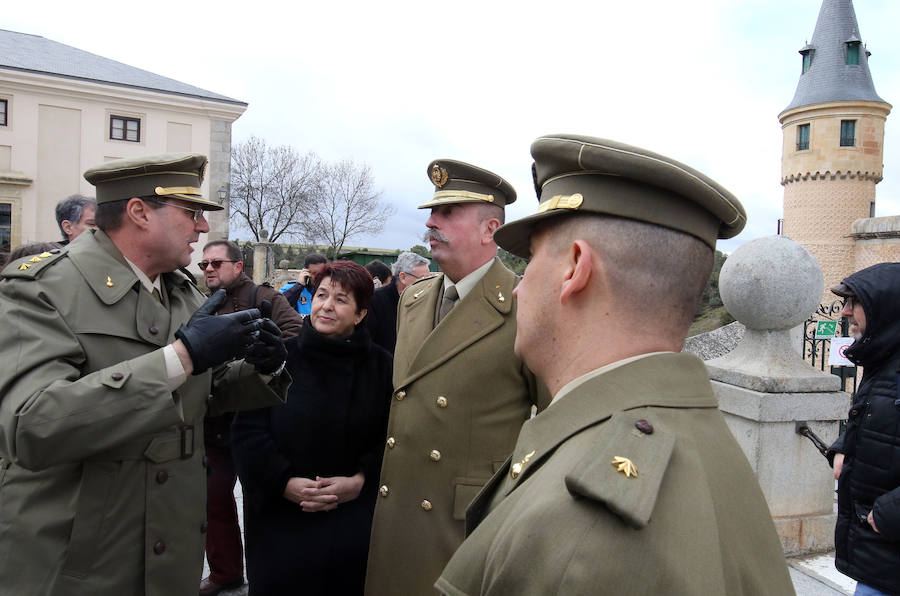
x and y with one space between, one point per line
223 268
109 360
866 456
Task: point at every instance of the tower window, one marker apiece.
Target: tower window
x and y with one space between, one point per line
807 61
848 133
852 52
122 128
4 110
802 137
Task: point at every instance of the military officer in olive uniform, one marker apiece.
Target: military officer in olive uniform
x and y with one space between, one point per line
106 369
630 482
460 395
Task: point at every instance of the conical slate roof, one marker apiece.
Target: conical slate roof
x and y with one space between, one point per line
33 53
829 77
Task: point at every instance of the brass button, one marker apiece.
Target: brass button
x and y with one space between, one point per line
515 470
162 476
426 505
160 547
442 402
391 442
203 527
400 395
435 455
117 376
383 491
153 330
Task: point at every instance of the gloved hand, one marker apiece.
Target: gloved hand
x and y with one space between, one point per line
213 339
267 353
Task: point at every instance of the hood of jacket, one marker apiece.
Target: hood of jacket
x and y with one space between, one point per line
878 290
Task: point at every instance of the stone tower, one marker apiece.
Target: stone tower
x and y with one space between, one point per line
833 135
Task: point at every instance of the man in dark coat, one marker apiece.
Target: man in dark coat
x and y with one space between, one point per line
223 269
382 318
867 456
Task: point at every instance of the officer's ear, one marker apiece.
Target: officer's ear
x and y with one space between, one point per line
138 212
578 268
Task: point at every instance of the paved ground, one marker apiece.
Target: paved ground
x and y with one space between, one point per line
813 576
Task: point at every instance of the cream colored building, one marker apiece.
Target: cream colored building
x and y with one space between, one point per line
833 152
63 110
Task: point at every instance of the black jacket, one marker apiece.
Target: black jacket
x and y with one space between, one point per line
382 317
870 478
333 424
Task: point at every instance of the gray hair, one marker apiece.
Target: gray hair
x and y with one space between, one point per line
71 208
407 261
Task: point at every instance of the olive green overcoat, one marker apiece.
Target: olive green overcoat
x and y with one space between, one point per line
460 397
102 476
563 519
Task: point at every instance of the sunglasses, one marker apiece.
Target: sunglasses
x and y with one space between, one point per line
215 264
195 213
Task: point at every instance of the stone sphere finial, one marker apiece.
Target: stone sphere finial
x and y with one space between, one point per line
771 283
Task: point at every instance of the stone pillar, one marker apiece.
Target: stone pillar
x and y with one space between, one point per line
764 388
263 259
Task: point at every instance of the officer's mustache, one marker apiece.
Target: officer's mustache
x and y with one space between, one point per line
433 235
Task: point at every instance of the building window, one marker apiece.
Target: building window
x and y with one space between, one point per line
848 133
4 112
853 52
802 137
122 128
5 227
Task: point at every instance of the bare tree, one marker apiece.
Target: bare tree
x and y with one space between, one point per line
348 205
273 189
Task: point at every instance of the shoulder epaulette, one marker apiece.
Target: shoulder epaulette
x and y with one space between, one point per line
30 267
624 468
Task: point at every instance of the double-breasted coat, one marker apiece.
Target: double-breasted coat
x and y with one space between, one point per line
562 518
102 467
460 397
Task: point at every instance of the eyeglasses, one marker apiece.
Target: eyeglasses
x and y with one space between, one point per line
197 213
215 264
848 302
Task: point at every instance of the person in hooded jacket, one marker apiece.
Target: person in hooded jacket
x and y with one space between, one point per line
866 457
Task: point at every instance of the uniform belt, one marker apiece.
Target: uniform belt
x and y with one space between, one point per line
177 443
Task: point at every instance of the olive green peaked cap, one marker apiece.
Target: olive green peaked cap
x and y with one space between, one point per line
578 174
169 175
460 182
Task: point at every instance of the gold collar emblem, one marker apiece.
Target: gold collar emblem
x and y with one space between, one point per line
517 467
626 466
439 175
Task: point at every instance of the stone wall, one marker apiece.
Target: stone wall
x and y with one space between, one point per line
219 175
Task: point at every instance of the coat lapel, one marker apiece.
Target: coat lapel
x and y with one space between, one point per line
482 311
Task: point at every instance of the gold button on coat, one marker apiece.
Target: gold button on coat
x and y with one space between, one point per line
435 455
442 402
391 442
426 505
400 395
383 491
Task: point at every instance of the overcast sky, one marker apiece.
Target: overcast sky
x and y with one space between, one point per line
396 84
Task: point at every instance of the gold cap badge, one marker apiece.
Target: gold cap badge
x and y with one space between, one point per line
439 176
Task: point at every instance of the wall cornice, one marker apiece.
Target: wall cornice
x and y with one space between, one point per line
829 176
105 93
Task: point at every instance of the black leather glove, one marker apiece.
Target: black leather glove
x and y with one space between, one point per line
213 339
268 352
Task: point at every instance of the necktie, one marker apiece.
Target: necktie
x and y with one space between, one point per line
157 295
450 297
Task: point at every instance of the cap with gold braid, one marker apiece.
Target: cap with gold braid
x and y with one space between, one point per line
169 175
459 182
579 174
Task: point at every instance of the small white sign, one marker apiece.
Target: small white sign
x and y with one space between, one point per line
839 346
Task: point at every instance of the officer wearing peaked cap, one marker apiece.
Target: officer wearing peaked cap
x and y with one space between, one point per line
460 394
630 482
107 365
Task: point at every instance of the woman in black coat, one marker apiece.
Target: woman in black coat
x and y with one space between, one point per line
309 468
